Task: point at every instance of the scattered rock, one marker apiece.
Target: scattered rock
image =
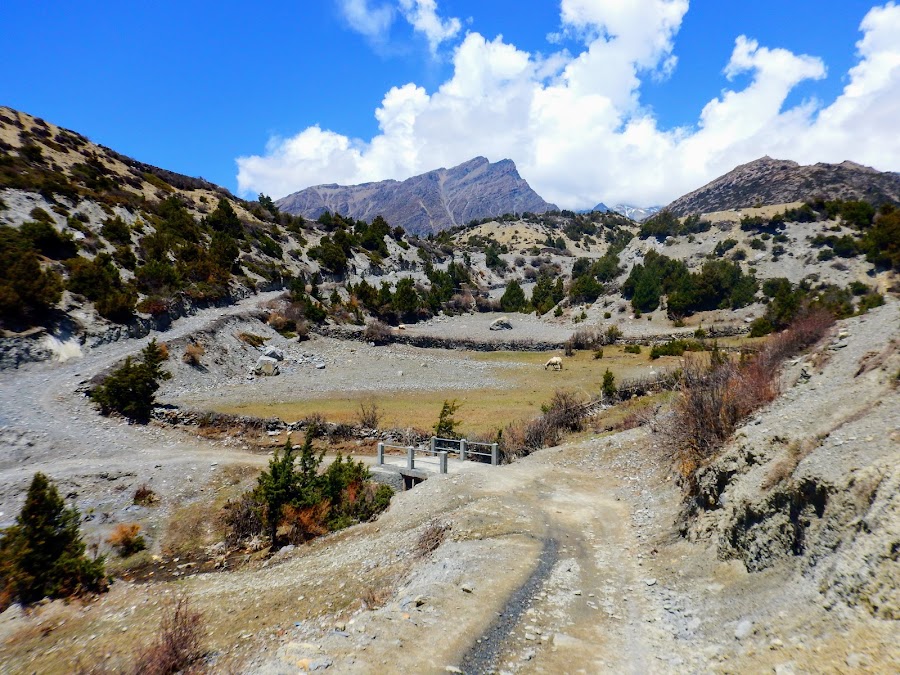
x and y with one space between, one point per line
501 323
744 630
266 365
274 353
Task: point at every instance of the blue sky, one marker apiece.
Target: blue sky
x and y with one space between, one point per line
594 99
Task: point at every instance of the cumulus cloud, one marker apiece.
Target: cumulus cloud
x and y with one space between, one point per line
373 22
422 16
574 125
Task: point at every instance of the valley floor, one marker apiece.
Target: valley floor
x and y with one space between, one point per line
567 561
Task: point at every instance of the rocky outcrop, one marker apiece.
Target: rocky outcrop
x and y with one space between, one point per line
776 181
430 202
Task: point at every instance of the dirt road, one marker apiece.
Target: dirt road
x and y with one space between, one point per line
45 425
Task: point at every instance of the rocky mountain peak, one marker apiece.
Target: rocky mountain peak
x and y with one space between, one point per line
429 202
779 181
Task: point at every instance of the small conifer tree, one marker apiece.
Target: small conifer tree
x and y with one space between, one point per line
446 424
609 385
131 389
42 555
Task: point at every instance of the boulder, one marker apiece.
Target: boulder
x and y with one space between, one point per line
502 323
274 353
266 365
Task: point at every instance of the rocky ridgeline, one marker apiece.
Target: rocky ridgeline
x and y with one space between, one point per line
427 203
776 181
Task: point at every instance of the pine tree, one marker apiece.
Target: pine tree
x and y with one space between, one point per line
609 384
131 389
513 299
288 484
42 555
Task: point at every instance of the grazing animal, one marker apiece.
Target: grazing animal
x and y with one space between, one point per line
556 362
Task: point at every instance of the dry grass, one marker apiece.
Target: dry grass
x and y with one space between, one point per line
784 468
431 538
522 387
126 539
373 598
198 524
192 354
252 339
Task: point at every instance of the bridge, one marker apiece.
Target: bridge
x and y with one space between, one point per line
438 456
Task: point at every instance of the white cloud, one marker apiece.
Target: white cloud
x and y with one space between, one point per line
373 22
574 124
422 16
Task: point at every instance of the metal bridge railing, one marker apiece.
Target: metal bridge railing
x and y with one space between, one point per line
441 448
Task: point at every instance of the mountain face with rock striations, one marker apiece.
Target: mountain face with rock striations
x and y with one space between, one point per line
776 181
427 203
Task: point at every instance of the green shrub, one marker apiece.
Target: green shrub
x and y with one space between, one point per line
293 493
116 231
27 292
48 241
130 390
43 555
881 242
677 348
724 246
513 299
98 280
632 349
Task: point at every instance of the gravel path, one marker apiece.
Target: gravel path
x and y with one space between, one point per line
46 425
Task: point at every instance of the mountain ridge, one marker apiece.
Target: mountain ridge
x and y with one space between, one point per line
777 181
429 202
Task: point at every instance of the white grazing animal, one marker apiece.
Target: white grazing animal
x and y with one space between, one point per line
556 362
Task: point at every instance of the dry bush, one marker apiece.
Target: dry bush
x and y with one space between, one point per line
241 519
369 414
192 354
179 643
483 304
252 339
523 437
565 411
126 540
716 398
587 337
807 329
541 433
373 598
431 538
377 332
305 523
315 421
461 302
280 322
145 496
163 351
